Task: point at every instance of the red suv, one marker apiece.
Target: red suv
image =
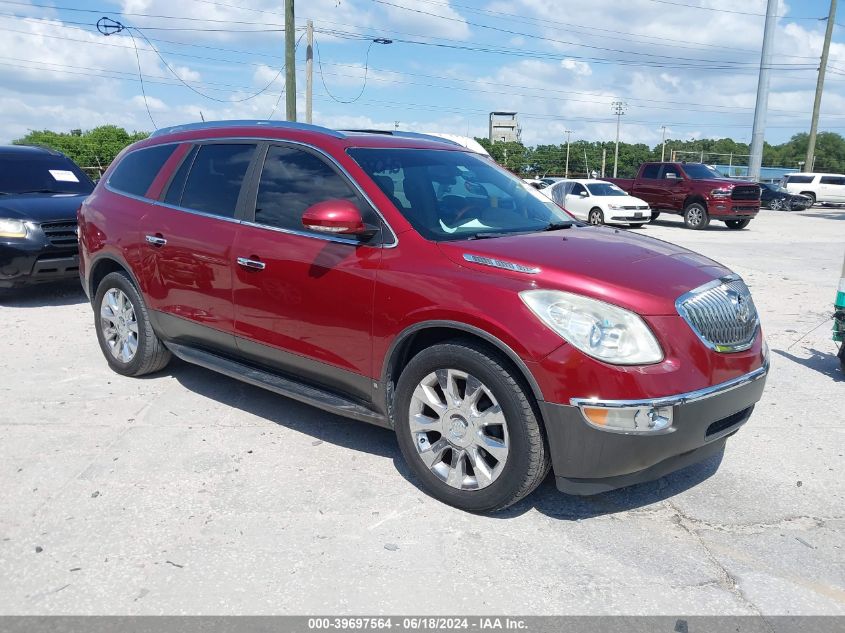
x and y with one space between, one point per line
404 281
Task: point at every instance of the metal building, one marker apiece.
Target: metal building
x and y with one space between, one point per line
504 128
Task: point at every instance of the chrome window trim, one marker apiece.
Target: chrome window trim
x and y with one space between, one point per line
326 238
261 139
722 349
683 398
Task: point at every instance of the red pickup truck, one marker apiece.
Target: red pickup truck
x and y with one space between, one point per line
696 191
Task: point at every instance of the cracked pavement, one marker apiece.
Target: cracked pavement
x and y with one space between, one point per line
191 493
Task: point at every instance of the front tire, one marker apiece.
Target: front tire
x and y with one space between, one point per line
737 224
696 216
776 204
123 327
654 216
595 217
468 428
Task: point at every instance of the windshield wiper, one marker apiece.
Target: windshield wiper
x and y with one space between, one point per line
556 226
488 235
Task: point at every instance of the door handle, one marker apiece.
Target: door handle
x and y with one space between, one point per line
155 240
252 264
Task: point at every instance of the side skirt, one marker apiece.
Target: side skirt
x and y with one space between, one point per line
314 396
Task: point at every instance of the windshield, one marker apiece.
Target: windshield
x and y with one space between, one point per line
777 188
41 173
452 195
697 171
605 189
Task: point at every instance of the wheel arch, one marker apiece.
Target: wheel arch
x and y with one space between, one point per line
419 336
102 266
693 198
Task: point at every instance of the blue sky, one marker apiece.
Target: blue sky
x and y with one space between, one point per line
690 65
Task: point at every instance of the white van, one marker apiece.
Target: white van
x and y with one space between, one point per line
819 187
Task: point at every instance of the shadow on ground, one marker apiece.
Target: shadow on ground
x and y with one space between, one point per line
43 295
825 363
359 436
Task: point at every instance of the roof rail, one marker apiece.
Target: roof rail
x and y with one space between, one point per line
210 125
403 134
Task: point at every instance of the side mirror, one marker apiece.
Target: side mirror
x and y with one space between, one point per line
336 217
583 194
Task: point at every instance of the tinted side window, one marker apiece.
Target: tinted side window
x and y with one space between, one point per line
832 180
799 179
651 171
670 171
214 184
293 180
177 184
137 170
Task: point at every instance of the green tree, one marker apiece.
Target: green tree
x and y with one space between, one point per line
92 150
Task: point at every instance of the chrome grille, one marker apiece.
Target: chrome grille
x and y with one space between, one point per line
722 314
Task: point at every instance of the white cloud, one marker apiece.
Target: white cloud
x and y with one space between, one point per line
579 68
155 104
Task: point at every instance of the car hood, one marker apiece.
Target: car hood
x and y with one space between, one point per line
624 200
639 273
41 207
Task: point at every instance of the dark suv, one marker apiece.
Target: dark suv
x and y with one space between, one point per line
40 192
410 283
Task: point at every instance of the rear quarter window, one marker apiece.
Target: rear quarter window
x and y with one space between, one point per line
136 171
832 180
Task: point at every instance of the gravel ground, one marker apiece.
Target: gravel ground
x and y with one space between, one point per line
189 492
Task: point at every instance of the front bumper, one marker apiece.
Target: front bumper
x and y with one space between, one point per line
727 209
587 460
627 216
28 261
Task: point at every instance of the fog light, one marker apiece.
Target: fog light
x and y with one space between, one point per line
628 419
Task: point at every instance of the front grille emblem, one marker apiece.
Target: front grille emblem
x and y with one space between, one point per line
722 314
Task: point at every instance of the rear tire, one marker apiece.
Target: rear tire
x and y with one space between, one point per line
595 217
484 404
696 216
811 196
123 327
737 224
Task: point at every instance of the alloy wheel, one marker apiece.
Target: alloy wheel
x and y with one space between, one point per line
695 216
459 429
119 325
595 217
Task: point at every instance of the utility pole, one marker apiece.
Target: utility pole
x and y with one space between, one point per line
618 111
566 172
290 62
814 124
309 70
759 132
663 151
603 160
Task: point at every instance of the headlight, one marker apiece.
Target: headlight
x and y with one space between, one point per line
615 207
12 228
721 193
601 330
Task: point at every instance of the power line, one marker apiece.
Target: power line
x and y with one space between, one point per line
545 21
549 39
